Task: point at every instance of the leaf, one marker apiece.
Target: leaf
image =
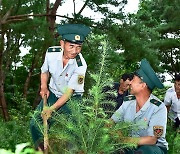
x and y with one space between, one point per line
20 147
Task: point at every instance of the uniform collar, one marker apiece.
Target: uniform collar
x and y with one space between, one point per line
71 61
147 104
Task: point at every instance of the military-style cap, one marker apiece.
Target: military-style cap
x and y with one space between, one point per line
74 33
147 75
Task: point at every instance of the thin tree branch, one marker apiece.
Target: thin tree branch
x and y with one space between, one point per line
83 7
74 7
5 17
20 17
47 6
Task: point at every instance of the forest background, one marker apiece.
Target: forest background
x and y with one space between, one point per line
152 33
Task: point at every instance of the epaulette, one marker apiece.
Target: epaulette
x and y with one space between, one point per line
78 60
155 102
170 90
129 98
54 49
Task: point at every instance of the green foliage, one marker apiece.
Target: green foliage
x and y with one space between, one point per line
13 133
86 129
16 130
173 138
20 149
157 32
22 108
160 93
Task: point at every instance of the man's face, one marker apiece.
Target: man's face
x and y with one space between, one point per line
136 85
177 87
124 84
71 50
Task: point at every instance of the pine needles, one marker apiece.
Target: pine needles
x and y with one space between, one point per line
85 130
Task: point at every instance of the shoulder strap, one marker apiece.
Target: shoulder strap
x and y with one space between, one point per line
78 60
155 102
129 98
54 49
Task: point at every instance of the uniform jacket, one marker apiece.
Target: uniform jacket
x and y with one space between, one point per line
71 76
152 115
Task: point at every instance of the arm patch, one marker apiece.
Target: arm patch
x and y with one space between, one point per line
155 102
78 60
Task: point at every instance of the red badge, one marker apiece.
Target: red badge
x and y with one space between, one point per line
158 131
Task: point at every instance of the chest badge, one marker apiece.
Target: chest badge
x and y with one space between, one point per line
80 79
158 131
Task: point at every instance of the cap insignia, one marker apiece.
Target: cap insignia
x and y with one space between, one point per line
77 37
158 131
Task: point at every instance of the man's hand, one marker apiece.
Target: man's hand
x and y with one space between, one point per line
47 111
44 91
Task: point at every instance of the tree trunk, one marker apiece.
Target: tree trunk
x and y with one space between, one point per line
51 21
37 98
3 104
26 85
52 12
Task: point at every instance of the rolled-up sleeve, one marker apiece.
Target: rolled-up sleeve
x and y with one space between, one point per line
45 67
167 98
159 118
118 115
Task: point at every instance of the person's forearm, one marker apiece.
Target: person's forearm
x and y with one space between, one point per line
44 79
150 140
168 108
63 99
44 89
146 140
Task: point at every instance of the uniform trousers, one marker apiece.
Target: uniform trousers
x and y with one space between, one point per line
36 123
147 149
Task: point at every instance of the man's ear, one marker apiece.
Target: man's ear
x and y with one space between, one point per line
121 81
62 43
144 85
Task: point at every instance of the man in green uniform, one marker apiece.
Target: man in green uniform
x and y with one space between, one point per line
144 108
66 68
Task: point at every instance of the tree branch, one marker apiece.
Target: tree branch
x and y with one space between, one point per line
5 17
74 7
83 7
20 17
55 7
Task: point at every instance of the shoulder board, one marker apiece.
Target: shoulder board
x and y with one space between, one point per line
129 98
78 60
54 49
155 102
170 90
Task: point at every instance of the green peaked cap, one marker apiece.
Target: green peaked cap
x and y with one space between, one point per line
75 33
147 75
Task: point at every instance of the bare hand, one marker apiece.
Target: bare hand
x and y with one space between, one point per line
44 91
